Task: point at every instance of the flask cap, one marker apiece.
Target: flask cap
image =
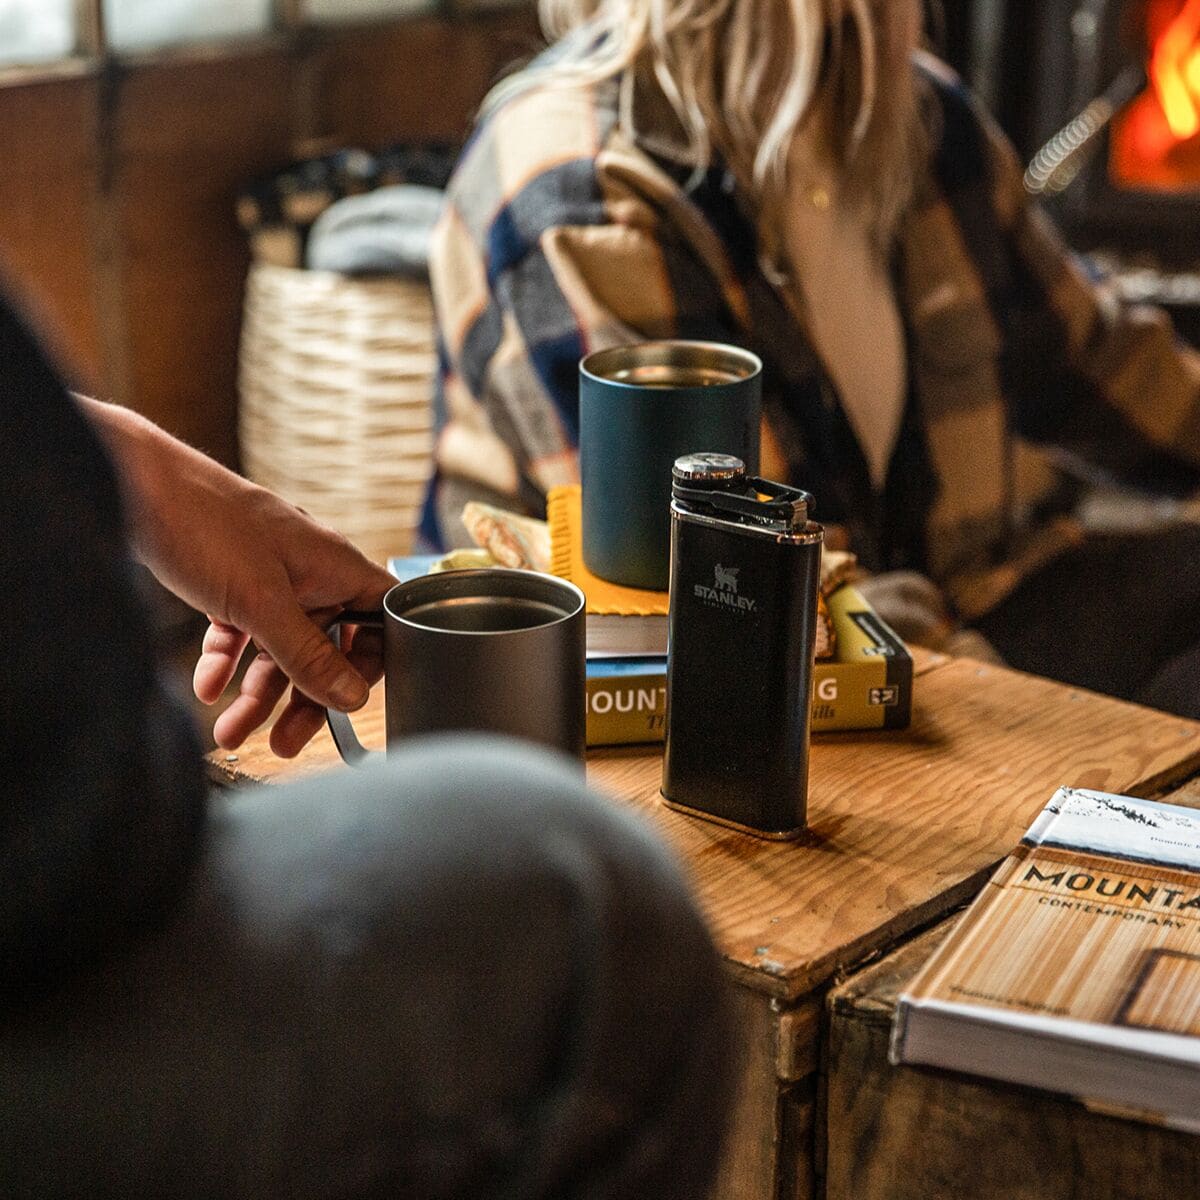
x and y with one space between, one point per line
708 470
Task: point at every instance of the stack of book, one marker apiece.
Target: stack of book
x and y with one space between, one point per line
626 638
622 622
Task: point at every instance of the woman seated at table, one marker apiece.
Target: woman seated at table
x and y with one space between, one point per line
939 371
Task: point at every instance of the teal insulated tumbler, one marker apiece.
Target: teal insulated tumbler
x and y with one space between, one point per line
641 407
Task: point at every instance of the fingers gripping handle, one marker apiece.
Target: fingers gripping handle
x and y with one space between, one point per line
341 728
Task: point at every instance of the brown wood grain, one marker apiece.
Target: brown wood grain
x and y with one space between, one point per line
903 1133
769 1139
903 826
47 197
189 136
751 1157
799 1122
426 75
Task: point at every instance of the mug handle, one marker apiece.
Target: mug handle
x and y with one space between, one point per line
341 728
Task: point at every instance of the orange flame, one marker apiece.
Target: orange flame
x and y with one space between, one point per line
1175 70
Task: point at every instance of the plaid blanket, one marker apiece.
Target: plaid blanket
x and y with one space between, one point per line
1028 380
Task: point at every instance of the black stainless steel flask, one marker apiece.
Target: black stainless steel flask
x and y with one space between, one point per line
745 569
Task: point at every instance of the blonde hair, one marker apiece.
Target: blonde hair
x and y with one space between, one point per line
742 76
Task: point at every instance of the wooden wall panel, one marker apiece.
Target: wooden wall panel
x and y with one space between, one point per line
421 79
188 137
47 195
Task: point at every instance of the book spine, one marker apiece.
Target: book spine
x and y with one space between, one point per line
862 695
624 710
630 709
558 520
869 684
899 1034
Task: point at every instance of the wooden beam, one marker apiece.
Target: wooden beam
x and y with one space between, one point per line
289 14
89 27
108 248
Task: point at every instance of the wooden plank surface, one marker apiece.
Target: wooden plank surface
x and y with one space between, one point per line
903 826
188 136
906 1133
753 1157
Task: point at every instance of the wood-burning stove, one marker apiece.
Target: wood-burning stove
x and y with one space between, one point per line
1141 188
1134 191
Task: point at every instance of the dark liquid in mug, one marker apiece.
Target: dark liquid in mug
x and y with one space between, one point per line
670 375
483 614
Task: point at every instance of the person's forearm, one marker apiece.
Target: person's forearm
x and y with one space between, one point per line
257 566
166 484
133 443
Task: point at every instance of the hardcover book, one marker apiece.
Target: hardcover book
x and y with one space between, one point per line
620 620
1077 969
866 685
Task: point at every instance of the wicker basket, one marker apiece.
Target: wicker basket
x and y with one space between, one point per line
336 377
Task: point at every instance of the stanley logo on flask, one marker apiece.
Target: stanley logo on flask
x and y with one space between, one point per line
724 592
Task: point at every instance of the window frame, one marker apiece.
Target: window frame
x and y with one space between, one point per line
289 25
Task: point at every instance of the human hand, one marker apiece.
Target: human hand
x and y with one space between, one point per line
911 604
302 577
262 570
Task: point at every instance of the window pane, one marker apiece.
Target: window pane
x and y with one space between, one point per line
136 24
356 10
36 30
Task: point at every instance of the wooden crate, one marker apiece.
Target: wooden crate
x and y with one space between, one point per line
913 1133
904 827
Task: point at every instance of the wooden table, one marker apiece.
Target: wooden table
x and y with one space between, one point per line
904 828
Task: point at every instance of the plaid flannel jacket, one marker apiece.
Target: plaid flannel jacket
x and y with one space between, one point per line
561 236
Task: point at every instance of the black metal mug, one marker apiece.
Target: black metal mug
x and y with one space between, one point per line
490 650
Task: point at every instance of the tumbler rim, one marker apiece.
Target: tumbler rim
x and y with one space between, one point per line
672 352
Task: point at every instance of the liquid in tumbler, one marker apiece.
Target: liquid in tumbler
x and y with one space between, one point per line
745 569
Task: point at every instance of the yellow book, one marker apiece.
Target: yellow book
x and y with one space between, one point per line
626 701
868 683
1077 969
620 620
